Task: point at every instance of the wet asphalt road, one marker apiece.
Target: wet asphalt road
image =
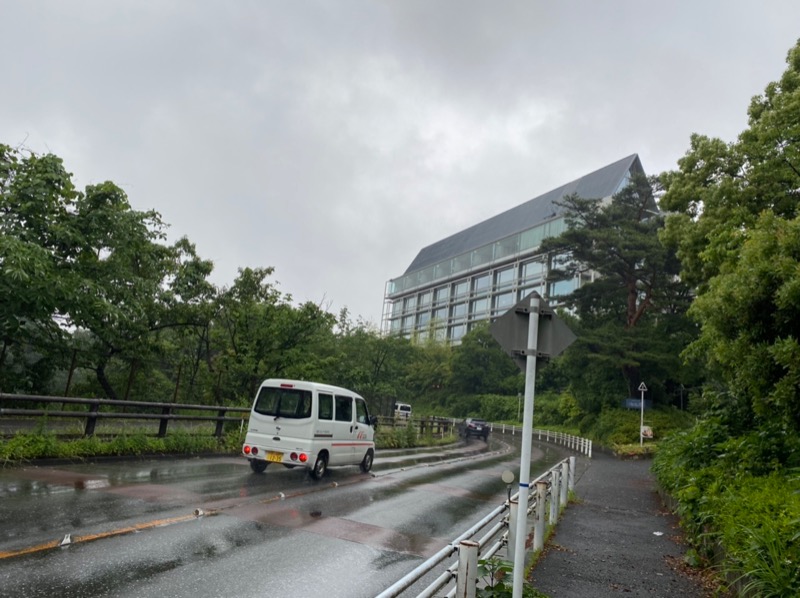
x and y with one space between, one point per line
210 527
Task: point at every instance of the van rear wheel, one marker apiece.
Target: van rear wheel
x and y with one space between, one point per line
366 462
320 466
258 466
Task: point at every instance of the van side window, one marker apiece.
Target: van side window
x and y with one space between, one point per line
344 409
325 409
362 415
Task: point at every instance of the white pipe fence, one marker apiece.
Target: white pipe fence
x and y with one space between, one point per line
545 505
572 442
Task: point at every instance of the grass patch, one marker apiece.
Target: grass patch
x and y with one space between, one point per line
27 446
635 451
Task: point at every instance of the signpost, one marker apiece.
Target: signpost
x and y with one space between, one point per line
642 390
528 331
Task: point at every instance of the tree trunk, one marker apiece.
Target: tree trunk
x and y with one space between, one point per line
3 354
104 382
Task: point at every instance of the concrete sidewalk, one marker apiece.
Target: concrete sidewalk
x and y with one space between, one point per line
616 541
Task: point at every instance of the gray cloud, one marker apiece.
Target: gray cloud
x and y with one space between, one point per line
334 140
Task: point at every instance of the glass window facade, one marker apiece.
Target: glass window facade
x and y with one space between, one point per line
503 301
482 283
479 307
459 310
458 291
504 278
457 331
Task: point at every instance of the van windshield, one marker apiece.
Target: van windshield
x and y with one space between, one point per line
283 402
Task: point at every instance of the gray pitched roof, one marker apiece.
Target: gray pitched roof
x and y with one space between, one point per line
595 185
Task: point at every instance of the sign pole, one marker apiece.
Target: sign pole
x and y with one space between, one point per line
525 459
642 389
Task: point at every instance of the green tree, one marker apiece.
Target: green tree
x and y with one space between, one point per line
720 189
480 366
85 262
429 370
372 364
735 229
631 318
258 334
36 196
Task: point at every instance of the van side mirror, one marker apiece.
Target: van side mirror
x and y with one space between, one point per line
373 421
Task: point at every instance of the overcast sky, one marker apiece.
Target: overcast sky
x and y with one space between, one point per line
333 139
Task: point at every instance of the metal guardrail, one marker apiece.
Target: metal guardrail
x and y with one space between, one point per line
446 425
570 441
168 411
545 505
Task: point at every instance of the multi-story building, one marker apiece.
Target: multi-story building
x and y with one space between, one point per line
482 271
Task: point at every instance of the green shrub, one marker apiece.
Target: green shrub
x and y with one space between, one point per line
29 446
736 493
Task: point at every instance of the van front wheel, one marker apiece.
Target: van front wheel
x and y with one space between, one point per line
258 466
366 462
320 467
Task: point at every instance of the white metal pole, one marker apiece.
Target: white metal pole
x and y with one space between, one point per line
641 421
527 441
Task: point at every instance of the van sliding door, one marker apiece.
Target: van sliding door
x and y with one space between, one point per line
343 450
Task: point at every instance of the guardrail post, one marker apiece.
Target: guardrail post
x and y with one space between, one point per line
554 492
539 515
220 423
162 424
590 449
563 485
572 473
467 574
91 420
513 513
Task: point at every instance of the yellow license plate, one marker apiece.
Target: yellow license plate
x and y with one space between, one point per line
274 457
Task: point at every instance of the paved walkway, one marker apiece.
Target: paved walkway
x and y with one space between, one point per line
616 541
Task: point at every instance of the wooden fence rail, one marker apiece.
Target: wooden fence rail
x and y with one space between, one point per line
93 411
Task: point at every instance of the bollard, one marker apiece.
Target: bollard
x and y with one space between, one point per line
590 449
513 513
572 473
564 478
467 575
539 515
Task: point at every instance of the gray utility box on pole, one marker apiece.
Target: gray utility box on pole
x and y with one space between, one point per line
511 331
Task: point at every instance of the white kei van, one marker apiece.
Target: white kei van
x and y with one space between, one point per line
307 424
402 410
